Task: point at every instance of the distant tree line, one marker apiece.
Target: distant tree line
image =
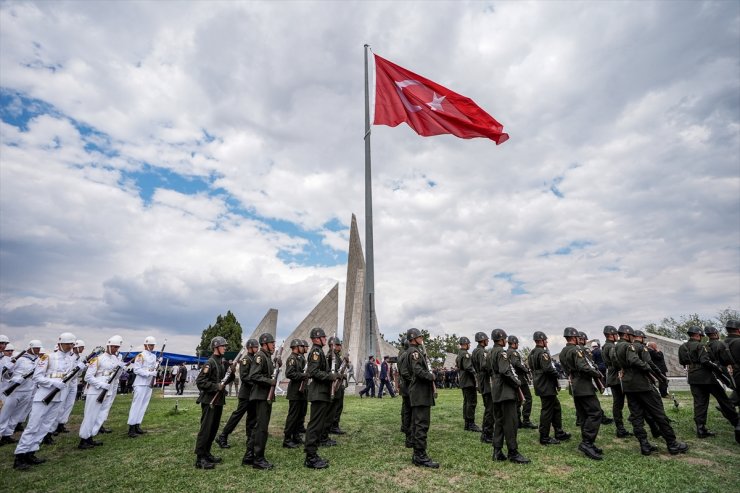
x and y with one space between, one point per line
676 329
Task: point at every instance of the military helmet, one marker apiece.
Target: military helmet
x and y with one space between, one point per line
34 343
412 334
4 338
625 329
480 336
115 341
305 343
463 340
405 344
582 335
334 340
266 338
732 325
252 343
218 341
9 347
570 332
317 332
295 343
150 340
694 330
609 330
539 336
710 329
639 333
66 338
498 334
79 343
513 340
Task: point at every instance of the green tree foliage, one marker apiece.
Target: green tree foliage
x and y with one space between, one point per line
227 327
676 329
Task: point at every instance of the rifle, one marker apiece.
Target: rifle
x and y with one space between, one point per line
557 380
302 388
342 370
13 360
156 368
429 368
227 376
278 361
15 385
71 373
598 384
721 376
112 378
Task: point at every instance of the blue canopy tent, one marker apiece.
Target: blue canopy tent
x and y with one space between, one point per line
171 358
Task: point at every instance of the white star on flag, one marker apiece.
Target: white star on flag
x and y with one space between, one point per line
436 102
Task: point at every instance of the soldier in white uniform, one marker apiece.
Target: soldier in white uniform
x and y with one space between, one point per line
100 371
70 393
16 406
48 375
67 338
145 369
6 366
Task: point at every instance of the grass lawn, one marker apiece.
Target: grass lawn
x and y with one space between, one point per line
371 456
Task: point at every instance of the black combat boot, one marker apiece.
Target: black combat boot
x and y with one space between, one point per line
248 458
203 463
33 460
315 462
20 463
19 428
297 439
213 459
289 443
547 440
103 429
85 444
7 440
327 442
702 432
486 438
132 432
422 460
677 448
336 430
61 428
605 420
262 464
645 447
474 427
517 458
138 429
588 449
561 435
222 441
48 440
498 455
622 432
528 425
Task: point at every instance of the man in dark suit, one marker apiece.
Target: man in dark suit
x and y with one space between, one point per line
384 381
370 370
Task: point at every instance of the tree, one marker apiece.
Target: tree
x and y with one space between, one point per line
227 327
723 316
676 329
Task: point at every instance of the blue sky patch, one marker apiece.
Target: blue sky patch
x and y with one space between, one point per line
570 248
517 287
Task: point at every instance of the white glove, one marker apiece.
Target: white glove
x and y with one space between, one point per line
17 379
105 386
58 384
81 365
152 373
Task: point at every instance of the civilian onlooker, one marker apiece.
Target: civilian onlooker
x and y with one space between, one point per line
384 379
598 358
659 360
370 370
182 377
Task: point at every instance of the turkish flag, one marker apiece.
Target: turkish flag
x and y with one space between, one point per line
428 108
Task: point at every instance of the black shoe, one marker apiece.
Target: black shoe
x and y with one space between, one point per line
424 461
315 462
498 455
702 432
262 464
94 442
103 429
549 441
327 442
222 441
7 440
474 428
213 459
248 459
623 433
597 449
335 430
132 432
19 428
589 451
517 458
20 463
61 428
529 425
646 448
290 444
297 439
486 438
33 460
677 448
85 444
203 463
138 429
48 440
562 435
605 420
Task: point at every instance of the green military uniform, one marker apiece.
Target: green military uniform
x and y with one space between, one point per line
466 378
524 408
644 354
295 372
404 380
421 398
483 374
334 358
504 394
208 383
733 343
643 398
612 381
546 386
699 360
584 397
319 397
260 375
243 405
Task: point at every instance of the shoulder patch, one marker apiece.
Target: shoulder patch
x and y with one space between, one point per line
415 355
467 355
504 355
139 357
315 356
44 357
258 359
205 369
580 353
94 360
545 356
245 362
632 348
291 361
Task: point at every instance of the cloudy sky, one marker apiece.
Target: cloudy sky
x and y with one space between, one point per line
164 162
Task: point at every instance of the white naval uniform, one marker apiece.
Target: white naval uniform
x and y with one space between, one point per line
99 371
70 393
145 365
6 368
50 370
16 407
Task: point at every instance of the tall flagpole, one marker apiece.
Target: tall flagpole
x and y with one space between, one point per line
369 294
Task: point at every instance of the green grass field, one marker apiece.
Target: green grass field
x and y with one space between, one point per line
371 456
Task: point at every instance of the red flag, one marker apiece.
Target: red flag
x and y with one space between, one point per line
428 108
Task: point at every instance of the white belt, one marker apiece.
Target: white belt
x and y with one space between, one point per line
57 375
106 373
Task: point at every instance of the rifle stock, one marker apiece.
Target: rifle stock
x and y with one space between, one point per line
112 379
156 368
278 361
227 375
70 375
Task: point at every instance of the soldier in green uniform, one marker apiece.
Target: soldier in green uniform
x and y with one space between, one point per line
703 383
643 398
466 378
210 383
504 392
483 377
304 409
403 384
587 404
733 343
243 407
261 377
612 380
546 386
295 371
582 339
523 409
319 397
722 356
334 358
638 340
421 396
